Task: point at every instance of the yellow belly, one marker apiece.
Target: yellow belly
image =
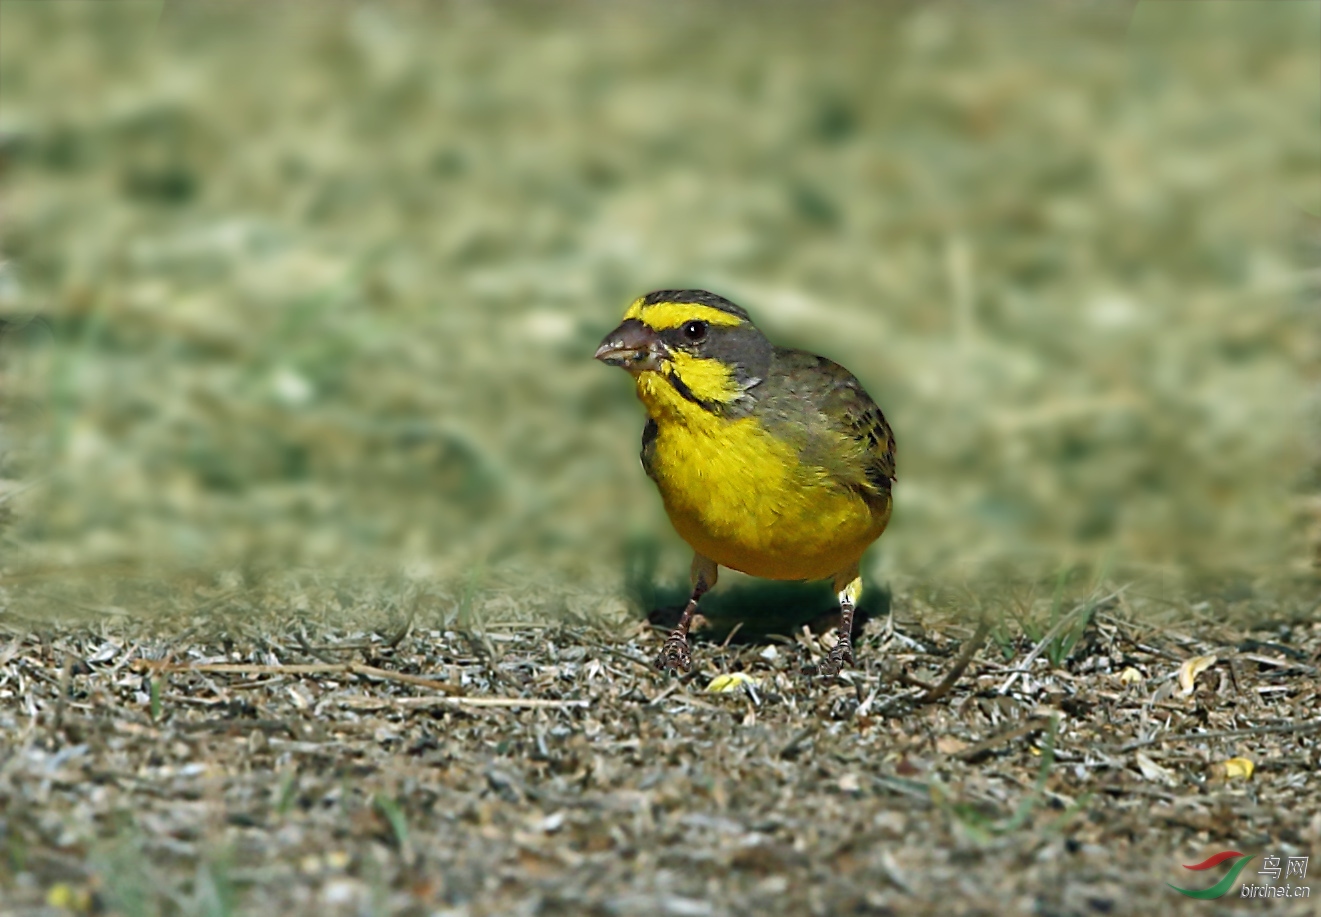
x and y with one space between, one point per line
743 499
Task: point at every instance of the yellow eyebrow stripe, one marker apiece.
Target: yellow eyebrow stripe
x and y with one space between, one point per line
665 315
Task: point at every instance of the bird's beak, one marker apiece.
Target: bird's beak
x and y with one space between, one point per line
634 347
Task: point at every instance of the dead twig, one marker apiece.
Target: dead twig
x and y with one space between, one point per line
1304 728
648 667
326 668
393 640
890 703
976 751
310 650
1278 663
937 691
423 703
795 744
674 686
240 726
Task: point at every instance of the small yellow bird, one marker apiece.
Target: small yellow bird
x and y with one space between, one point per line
770 461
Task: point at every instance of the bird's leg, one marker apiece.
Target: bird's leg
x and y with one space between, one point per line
674 654
841 654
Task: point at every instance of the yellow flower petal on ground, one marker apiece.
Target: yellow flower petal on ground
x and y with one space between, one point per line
60 895
732 681
1239 767
1191 668
65 897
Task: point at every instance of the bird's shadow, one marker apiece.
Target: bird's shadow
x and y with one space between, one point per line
761 609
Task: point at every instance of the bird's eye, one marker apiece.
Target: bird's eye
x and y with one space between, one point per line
694 331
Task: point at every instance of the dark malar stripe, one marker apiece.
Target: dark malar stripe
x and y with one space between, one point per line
682 388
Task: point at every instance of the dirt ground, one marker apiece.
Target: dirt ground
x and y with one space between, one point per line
201 766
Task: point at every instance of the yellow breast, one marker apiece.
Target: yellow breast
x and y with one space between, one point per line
744 499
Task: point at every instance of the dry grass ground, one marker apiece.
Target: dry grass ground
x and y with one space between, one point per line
296 311
263 766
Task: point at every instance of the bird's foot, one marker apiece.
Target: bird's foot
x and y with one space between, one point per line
674 654
841 656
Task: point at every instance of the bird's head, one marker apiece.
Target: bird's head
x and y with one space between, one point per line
690 343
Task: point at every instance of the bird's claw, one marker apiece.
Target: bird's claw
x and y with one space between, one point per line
674 654
841 656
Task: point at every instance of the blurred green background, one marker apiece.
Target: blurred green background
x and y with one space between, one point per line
316 286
